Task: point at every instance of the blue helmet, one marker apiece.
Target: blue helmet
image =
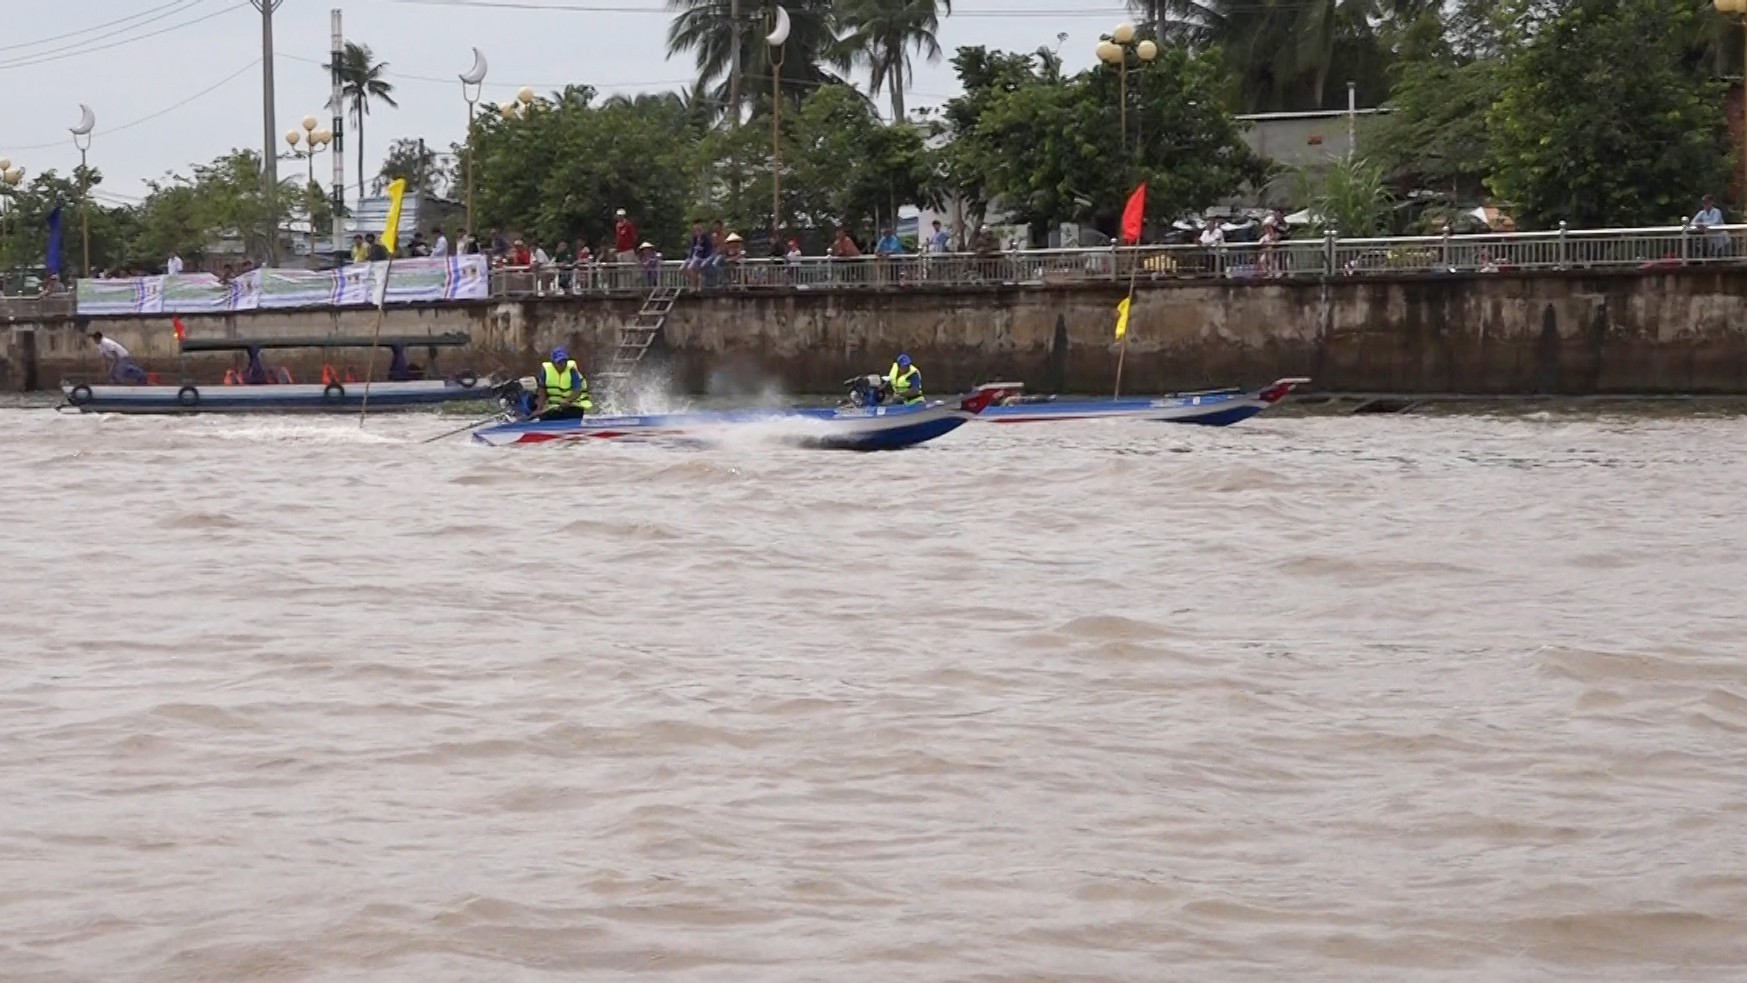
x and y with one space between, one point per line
560 356
903 361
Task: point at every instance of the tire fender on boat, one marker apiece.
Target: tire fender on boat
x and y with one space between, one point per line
467 380
334 393
188 396
80 395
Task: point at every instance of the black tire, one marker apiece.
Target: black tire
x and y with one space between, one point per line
188 396
334 393
467 380
80 395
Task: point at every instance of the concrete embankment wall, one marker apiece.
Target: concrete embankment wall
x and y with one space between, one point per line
1679 331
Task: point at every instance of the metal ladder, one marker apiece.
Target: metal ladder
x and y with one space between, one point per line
636 337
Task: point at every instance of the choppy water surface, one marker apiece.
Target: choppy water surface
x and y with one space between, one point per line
1313 698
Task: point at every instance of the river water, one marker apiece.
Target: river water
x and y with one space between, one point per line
1311 698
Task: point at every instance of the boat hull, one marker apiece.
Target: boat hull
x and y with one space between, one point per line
270 399
1213 409
876 428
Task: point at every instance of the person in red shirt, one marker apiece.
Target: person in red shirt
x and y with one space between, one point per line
520 256
624 238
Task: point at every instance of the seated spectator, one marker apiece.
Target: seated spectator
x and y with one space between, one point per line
700 254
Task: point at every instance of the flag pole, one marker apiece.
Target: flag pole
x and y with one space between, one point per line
390 242
1122 352
375 336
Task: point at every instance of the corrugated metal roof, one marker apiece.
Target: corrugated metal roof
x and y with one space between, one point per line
371 215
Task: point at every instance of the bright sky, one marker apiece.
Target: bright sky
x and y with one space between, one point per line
174 82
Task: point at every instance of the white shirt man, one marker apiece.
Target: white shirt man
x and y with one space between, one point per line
1709 217
173 266
1213 236
441 248
122 369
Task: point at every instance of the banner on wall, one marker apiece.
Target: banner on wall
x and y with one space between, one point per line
412 281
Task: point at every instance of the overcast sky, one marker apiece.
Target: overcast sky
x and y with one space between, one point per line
174 82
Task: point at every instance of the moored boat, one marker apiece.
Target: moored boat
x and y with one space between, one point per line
1217 408
256 388
849 427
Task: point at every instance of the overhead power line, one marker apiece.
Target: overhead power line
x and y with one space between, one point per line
82 48
94 28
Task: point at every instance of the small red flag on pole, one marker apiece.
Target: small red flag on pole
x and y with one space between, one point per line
181 330
1134 216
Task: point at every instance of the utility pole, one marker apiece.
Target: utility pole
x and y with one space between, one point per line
269 125
338 104
734 63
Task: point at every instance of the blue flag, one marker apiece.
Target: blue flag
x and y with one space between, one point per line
54 256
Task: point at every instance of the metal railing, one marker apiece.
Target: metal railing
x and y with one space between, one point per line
1328 256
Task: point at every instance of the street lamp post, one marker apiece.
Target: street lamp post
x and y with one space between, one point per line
471 84
314 139
82 140
1739 9
778 36
1116 49
9 178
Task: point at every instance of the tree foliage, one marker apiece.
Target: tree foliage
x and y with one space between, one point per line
882 33
1055 151
1578 138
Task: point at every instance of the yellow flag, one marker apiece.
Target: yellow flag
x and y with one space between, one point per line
391 230
1122 318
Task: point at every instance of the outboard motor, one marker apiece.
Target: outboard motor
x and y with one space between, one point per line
516 397
868 390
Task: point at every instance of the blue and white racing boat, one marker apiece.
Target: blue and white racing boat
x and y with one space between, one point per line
1217 408
848 427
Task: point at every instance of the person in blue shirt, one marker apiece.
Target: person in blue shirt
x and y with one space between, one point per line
906 381
888 244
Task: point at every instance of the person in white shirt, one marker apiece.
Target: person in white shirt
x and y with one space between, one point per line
441 246
174 265
1213 236
1710 217
123 370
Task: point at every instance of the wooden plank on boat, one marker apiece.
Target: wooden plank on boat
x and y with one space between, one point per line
453 339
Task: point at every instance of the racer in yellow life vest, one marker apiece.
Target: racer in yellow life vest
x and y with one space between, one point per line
563 389
906 381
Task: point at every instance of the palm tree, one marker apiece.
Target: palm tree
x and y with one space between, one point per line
882 33
1280 54
810 58
361 80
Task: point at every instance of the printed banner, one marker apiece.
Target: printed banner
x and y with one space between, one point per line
410 281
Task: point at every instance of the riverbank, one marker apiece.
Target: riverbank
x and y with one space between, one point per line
1627 332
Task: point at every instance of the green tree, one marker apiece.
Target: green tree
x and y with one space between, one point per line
1055 152
882 33
967 159
1436 133
813 55
25 243
562 168
362 81
1577 138
850 168
418 165
1348 196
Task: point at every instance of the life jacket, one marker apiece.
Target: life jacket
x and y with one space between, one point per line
562 386
906 383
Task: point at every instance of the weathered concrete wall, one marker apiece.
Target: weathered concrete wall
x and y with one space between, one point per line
1675 331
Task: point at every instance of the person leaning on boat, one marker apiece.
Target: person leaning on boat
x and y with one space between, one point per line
122 369
906 380
563 391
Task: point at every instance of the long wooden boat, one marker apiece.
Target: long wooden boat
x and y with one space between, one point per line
258 389
1216 408
858 428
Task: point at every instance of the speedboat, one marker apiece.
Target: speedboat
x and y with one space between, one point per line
1216 408
851 426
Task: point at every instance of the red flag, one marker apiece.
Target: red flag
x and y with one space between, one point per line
181 330
1134 216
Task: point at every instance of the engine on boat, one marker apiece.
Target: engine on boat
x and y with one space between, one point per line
516 396
868 390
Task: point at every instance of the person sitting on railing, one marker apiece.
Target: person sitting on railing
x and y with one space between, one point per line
698 255
564 262
845 249
886 248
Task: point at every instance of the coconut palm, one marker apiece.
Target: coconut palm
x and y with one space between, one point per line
361 82
882 33
812 56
